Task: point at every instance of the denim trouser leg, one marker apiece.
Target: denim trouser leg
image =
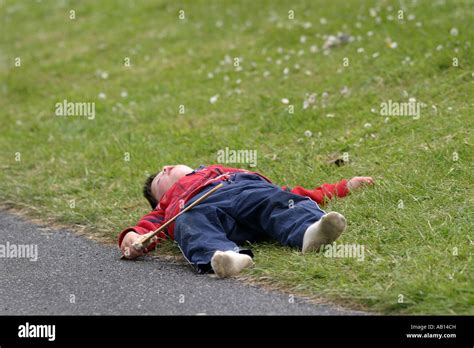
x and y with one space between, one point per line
246 208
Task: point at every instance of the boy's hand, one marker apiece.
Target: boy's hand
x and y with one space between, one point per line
358 181
127 249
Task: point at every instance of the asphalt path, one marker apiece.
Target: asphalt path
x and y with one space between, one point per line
77 276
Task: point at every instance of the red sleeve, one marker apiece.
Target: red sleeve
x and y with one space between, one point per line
323 192
147 223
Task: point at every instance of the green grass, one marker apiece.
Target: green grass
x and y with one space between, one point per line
407 251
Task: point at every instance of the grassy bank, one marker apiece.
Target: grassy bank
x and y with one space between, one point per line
416 225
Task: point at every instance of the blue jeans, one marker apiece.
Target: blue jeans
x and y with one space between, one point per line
246 208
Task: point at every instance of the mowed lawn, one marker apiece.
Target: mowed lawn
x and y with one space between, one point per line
170 90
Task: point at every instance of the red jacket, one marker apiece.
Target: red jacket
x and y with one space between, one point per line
191 184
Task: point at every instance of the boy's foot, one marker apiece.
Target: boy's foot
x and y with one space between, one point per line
229 263
324 231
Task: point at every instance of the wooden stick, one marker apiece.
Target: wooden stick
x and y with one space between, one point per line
145 239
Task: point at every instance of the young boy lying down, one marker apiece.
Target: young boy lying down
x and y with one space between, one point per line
247 208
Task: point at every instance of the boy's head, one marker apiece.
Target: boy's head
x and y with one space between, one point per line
157 184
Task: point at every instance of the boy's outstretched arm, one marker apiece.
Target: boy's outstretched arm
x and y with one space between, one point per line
147 224
327 191
359 181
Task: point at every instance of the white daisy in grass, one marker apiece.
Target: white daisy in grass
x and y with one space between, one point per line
285 101
331 41
308 133
213 99
337 40
102 74
454 31
102 95
311 99
345 90
390 43
124 94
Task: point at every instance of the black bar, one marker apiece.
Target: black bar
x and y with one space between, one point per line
205 330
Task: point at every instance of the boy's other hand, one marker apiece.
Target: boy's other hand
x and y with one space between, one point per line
358 181
127 249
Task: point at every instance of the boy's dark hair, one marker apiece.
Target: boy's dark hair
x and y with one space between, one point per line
147 191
